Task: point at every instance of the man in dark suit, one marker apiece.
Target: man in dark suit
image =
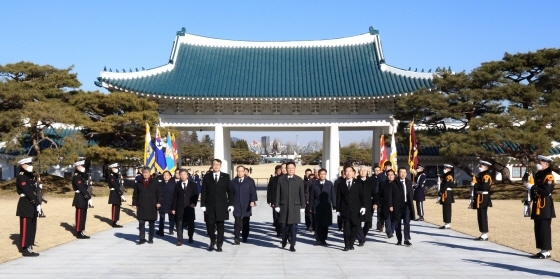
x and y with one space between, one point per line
290 202
340 180
350 206
271 197
370 198
185 197
402 207
146 199
244 195
322 200
216 203
381 178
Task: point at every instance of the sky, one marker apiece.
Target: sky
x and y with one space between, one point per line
90 35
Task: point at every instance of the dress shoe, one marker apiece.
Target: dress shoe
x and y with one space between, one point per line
278 234
141 241
351 247
236 242
42 215
284 242
82 236
159 233
151 241
324 243
244 240
170 233
27 253
407 243
390 235
219 249
399 243
211 247
421 218
179 243
444 227
116 225
345 249
190 240
540 256
481 239
292 249
360 244
317 242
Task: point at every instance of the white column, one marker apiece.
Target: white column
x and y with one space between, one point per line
219 143
326 150
334 152
226 163
375 150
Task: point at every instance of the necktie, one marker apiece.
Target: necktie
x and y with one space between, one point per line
240 180
349 182
184 185
216 178
404 189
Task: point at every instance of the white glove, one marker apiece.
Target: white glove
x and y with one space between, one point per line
334 211
230 208
302 210
438 199
528 185
39 208
472 184
22 195
203 208
90 202
338 214
277 209
41 186
112 189
77 191
362 211
123 198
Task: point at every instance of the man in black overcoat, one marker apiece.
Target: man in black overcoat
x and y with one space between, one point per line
115 194
340 179
370 198
322 198
385 202
183 203
290 202
28 207
402 207
216 203
350 206
244 196
271 190
81 198
146 199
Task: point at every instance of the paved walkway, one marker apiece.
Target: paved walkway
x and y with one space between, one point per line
434 253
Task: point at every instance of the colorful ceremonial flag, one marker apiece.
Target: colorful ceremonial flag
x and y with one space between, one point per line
393 157
169 156
175 154
382 151
161 165
149 155
412 149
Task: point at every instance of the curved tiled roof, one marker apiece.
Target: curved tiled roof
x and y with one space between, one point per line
214 68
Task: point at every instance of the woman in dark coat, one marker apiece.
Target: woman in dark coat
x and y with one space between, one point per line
167 189
146 199
322 200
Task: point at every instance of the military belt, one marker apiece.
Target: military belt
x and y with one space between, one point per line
482 192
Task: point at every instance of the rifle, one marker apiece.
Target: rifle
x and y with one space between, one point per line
89 182
39 190
527 200
121 182
438 183
473 182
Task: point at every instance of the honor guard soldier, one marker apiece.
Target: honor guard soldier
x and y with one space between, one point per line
542 206
81 198
419 194
28 207
115 194
481 198
445 194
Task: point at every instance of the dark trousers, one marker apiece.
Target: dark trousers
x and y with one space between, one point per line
241 224
363 231
81 214
115 212
389 225
275 223
142 227
405 217
190 228
543 234
292 228
28 229
420 208
161 223
349 231
482 217
339 222
380 222
219 226
309 220
446 208
321 232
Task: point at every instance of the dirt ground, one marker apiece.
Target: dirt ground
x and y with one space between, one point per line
506 223
58 227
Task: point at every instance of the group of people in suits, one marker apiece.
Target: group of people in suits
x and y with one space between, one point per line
353 198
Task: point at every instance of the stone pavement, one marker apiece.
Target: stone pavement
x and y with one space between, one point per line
435 253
